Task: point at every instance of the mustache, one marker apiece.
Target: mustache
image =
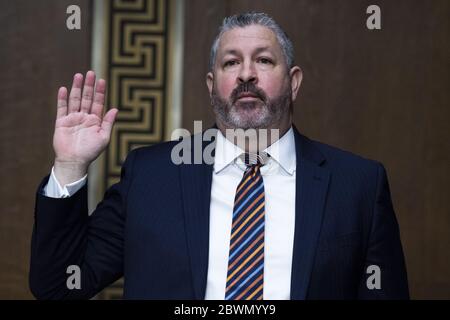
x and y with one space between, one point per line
248 87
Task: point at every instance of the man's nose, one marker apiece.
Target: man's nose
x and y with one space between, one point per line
247 73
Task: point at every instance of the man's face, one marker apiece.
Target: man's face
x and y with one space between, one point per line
251 86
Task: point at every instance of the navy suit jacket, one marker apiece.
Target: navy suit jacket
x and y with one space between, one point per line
153 229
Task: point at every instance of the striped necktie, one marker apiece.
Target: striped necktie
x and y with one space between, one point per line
246 258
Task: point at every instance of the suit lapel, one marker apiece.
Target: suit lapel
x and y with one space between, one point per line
195 180
311 189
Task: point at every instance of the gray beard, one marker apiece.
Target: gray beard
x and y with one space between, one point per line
268 114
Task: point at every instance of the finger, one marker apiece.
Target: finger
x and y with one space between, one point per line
61 109
108 121
99 98
88 92
75 93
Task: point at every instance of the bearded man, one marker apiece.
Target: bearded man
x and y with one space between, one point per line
285 218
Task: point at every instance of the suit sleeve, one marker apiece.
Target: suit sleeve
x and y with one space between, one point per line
65 235
384 250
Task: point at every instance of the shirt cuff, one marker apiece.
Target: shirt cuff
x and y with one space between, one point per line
54 190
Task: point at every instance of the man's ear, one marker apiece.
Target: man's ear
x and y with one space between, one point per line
296 75
209 82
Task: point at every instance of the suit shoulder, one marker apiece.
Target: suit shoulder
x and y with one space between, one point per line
350 170
159 153
339 158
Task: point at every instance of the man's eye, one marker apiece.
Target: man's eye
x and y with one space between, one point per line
265 61
230 63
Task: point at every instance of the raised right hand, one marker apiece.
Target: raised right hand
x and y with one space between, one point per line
81 130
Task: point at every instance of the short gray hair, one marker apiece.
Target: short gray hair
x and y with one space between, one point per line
254 18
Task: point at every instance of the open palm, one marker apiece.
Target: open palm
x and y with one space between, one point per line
81 130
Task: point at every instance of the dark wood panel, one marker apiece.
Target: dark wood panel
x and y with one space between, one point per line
202 18
37 55
382 94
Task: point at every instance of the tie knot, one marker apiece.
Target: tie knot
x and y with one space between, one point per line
254 159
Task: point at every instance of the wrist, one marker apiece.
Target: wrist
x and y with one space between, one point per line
69 171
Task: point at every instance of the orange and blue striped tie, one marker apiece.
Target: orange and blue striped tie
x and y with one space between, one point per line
246 258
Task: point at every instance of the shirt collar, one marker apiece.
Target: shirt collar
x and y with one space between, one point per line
282 151
226 152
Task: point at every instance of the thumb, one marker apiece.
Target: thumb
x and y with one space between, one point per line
108 121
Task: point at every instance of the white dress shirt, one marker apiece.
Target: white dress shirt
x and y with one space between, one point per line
54 190
279 176
279 191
